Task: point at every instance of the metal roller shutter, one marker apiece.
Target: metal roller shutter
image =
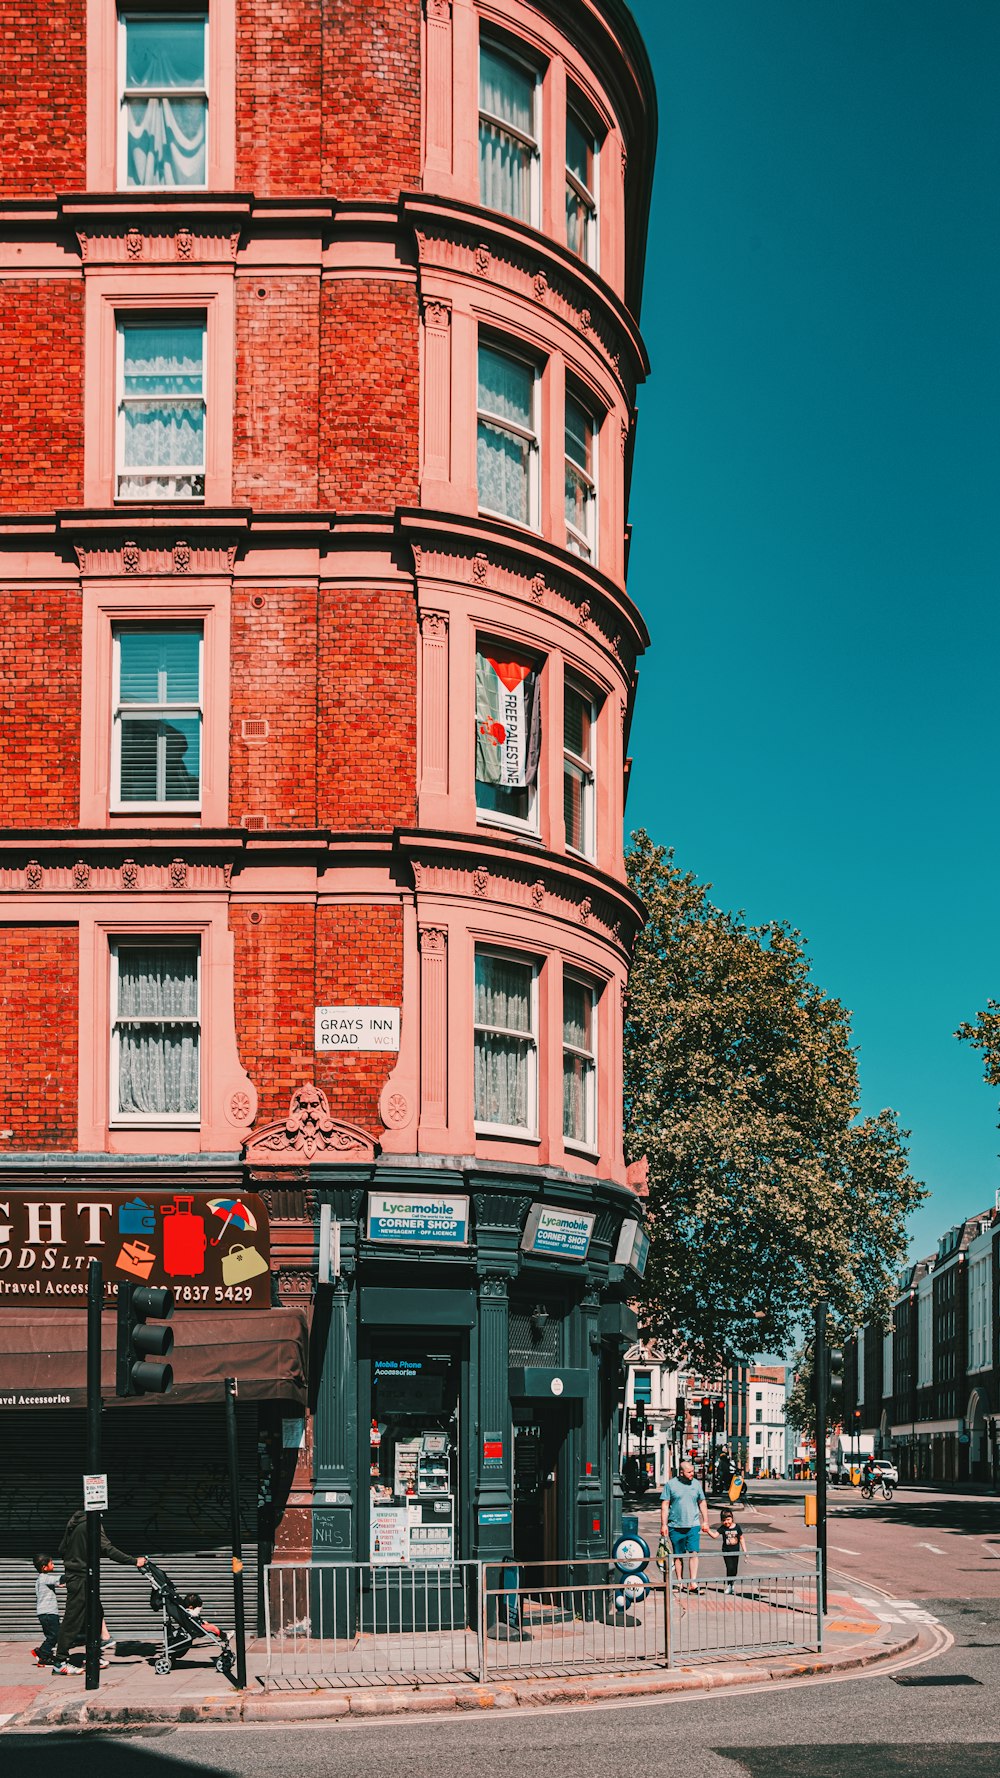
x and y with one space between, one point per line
169 1494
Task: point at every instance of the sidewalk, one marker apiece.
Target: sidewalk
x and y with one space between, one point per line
130 1692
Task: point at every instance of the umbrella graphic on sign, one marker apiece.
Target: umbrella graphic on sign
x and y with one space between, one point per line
231 1211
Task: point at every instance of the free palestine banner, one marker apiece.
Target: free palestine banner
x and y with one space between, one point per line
507 722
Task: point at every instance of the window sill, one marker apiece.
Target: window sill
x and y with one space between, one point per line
508 824
126 810
507 1133
584 1149
506 518
161 1122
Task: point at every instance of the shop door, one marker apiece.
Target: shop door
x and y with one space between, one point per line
538 1446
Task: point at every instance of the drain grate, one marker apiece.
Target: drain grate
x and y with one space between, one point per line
935 1679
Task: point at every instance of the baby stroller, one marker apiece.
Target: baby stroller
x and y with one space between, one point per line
182 1627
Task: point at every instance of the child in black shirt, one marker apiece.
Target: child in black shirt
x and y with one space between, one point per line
733 1545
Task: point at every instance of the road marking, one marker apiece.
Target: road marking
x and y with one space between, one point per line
932 1547
842 1551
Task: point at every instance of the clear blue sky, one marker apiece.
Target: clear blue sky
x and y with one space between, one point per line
815 506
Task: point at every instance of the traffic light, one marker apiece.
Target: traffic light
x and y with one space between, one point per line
706 1413
719 1417
856 1418
638 1423
138 1343
680 1410
835 1394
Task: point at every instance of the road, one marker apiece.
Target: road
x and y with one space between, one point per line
938 1720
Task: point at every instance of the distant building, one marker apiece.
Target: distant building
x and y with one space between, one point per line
928 1386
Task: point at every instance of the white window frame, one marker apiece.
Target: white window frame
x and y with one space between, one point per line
587 766
583 543
125 93
587 1143
529 436
591 199
181 318
499 817
529 1039
119 1119
161 710
499 47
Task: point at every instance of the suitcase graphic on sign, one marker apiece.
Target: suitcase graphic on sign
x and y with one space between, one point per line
184 1239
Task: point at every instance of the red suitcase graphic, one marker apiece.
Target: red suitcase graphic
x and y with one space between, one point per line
184 1239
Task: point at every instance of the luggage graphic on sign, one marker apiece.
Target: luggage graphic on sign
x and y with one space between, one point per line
136 1259
136 1218
183 1239
242 1262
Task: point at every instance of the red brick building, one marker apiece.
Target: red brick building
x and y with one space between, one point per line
317 391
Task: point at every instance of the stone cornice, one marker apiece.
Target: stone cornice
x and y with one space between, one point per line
502 872
475 243
488 554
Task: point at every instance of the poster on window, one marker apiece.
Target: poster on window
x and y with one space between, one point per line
508 722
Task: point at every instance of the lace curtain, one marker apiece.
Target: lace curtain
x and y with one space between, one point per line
506 390
503 1060
157 1030
166 434
578 1069
166 110
507 93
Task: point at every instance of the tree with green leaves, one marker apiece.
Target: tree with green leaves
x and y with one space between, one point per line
984 1035
767 1189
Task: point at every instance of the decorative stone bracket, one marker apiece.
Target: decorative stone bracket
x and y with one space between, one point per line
309 1133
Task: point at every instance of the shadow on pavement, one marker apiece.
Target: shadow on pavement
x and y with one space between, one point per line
82 1754
928 1759
977 1515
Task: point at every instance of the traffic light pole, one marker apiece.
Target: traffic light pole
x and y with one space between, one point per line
821 1378
95 1303
239 1621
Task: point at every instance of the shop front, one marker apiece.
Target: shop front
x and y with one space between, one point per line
165 1456
467 1373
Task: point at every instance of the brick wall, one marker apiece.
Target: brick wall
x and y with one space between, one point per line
43 82
279 96
39 981
359 962
40 694
41 394
273 676
276 423
275 1000
289 960
371 94
369 422
367 710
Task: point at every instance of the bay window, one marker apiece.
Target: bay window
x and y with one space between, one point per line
156 1030
581 481
508 133
163 129
505 1069
579 1062
581 186
157 720
507 437
579 716
508 735
161 409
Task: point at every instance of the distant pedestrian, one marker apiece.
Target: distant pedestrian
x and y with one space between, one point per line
47 1608
733 1545
683 1517
723 1471
73 1551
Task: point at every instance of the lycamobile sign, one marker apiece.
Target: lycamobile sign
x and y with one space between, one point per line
559 1232
431 1221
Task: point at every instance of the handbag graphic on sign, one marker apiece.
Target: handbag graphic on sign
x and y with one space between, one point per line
183 1239
136 1259
241 1263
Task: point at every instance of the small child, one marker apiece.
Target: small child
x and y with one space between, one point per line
193 1604
733 1545
47 1608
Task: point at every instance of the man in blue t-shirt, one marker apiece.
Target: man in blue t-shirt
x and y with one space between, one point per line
683 1518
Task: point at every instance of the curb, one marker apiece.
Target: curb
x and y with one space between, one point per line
430 1700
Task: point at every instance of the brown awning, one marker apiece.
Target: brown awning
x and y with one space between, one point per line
44 1355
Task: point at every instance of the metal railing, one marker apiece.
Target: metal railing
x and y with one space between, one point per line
365 1623
362 1624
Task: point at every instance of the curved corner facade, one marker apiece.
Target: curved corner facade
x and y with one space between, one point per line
318 401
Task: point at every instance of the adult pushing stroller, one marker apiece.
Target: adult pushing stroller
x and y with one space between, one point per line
182 1624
